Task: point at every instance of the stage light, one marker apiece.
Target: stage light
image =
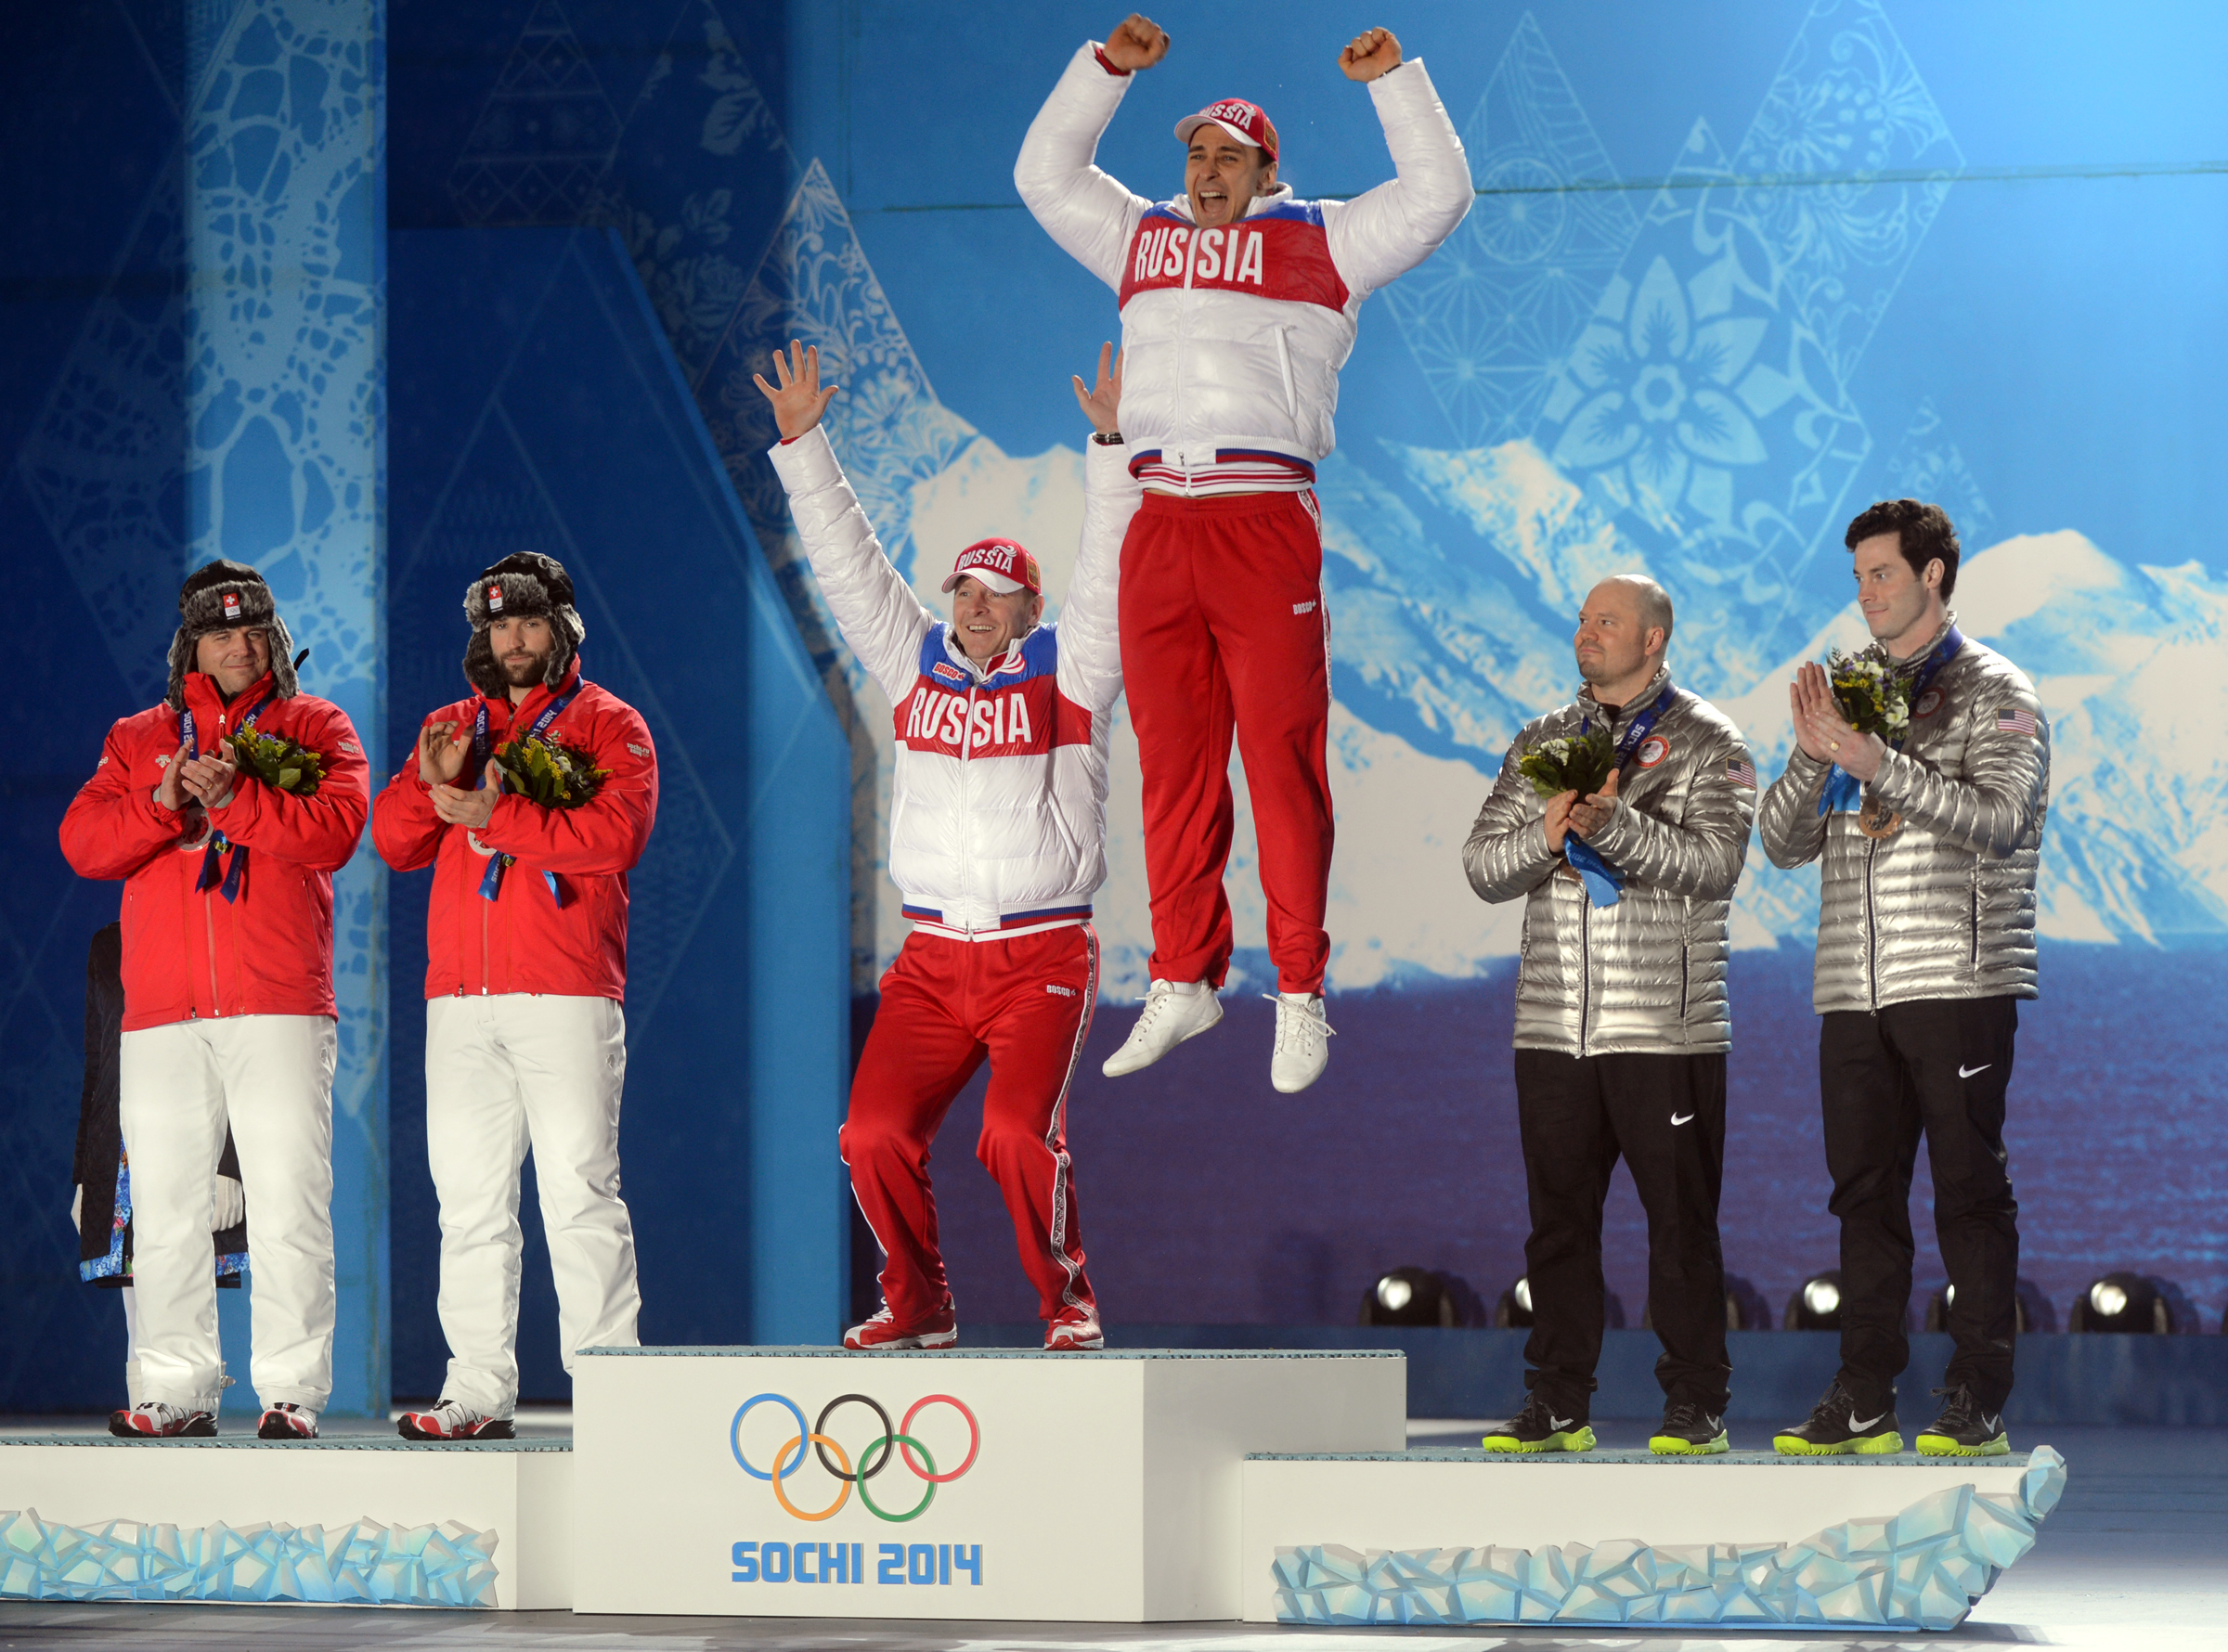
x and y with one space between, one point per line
2127 1301
1514 1310
1421 1296
2031 1311
1816 1305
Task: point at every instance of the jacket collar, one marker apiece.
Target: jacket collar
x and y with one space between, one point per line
1631 709
1905 667
526 710
207 702
958 655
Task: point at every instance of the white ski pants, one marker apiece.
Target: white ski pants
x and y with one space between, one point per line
271 1079
505 1072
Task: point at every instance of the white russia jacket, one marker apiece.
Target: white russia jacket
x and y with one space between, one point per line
1233 337
997 805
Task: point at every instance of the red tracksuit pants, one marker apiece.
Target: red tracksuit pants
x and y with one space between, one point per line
1025 1004
1224 629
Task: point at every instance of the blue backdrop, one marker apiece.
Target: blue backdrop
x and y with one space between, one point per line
1968 252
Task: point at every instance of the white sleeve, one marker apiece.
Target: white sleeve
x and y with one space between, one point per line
1396 225
874 609
1090 214
1090 630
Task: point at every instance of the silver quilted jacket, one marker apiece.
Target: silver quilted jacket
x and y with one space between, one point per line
1945 908
1647 976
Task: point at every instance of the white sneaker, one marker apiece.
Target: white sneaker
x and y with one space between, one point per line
1303 1034
1174 1010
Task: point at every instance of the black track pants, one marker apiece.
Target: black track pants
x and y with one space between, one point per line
1937 1068
1664 1116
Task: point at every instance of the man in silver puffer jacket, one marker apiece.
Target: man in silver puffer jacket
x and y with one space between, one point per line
1621 1024
1925 945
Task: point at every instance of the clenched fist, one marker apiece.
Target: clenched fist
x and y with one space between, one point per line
1371 53
1137 43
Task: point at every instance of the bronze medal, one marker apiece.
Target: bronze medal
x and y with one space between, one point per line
1876 820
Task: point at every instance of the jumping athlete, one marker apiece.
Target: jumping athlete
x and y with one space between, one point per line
1622 1023
997 841
1238 307
525 932
228 1012
1925 945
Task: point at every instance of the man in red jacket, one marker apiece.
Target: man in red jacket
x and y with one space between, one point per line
228 1016
527 967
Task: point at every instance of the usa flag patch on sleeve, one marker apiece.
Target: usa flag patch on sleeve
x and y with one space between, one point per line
2016 722
1741 772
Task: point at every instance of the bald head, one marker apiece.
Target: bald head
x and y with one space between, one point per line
1623 630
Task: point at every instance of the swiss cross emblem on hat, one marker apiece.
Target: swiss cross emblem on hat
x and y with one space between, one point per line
231 605
494 596
1654 750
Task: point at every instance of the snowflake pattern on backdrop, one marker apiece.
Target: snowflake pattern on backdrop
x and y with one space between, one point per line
1489 312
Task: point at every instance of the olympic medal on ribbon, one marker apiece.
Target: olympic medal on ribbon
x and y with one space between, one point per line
897 1441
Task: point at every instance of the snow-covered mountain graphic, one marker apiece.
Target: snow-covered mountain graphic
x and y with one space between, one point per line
1453 579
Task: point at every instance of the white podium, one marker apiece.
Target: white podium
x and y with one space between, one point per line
1088 1488
349 1519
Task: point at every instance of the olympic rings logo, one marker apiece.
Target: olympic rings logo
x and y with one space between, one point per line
898 1441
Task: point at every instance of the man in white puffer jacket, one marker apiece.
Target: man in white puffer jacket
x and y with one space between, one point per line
1238 307
997 841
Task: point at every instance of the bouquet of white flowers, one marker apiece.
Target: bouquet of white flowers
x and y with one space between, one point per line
1578 763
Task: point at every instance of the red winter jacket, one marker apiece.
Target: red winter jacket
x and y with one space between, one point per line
522 940
268 953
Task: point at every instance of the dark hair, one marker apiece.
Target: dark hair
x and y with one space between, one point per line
1923 533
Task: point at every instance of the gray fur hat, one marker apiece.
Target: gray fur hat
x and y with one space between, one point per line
218 596
522 586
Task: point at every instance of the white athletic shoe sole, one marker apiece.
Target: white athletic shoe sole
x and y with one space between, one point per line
1302 1050
1167 1020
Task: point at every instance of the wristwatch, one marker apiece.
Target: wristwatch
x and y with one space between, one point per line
1113 440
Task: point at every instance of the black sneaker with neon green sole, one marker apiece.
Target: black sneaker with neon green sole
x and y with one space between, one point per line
1839 1427
1537 1429
1963 1429
1689 1431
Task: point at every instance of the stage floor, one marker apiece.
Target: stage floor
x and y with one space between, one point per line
2134 1560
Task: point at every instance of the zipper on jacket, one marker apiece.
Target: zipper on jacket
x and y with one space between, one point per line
1871 934
216 992
484 918
1973 921
1586 965
966 754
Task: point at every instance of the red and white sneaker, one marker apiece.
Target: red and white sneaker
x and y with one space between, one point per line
283 1421
1074 1330
452 1419
157 1419
940 1330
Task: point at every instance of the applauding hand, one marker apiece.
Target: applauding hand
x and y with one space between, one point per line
1590 815
1822 732
800 401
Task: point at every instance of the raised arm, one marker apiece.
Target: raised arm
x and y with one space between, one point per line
874 609
1991 810
1396 225
1090 214
1090 634
1701 854
1508 854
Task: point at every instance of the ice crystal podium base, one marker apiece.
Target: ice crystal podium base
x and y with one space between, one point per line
1748 1540
1084 1488
337 1521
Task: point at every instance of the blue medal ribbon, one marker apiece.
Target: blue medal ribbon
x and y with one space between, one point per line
1605 883
491 882
1843 790
235 870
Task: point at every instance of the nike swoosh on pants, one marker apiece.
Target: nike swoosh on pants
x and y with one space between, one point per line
1676 1120
1964 1072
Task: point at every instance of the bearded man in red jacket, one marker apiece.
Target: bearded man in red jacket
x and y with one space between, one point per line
229 1013
526 1044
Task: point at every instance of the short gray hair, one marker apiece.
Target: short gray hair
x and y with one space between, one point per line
1655 602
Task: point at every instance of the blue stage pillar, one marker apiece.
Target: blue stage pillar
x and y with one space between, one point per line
286 283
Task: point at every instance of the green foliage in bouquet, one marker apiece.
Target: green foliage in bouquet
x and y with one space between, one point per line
280 762
1873 698
554 776
1578 763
